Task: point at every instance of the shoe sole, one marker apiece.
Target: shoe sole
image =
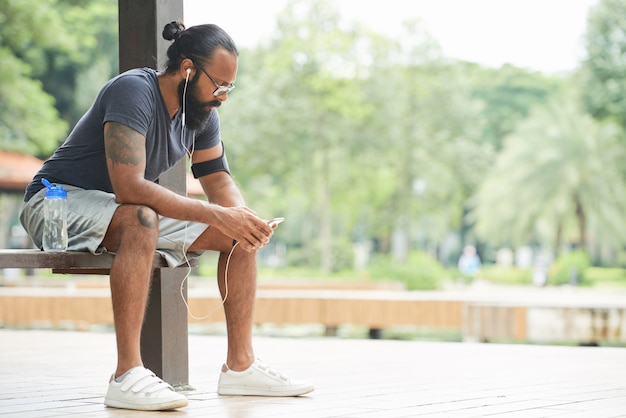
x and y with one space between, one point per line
160 406
239 391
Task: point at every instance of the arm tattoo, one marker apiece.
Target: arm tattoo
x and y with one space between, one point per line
123 145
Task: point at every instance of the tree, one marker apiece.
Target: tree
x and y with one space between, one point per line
508 94
75 78
557 180
56 55
340 129
312 107
29 122
428 134
604 69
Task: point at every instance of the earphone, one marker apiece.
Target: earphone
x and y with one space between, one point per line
188 71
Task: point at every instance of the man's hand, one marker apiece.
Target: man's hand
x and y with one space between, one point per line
243 225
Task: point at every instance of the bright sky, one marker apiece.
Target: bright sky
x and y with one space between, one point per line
543 35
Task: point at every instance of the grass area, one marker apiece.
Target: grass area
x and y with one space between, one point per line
594 277
506 275
606 277
418 272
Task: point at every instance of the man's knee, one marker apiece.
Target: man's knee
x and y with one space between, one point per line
132 222
135 215
147 217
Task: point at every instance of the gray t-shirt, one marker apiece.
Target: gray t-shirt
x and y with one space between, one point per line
133 99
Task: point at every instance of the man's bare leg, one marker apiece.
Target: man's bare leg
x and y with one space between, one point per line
239 304
132 235
258 379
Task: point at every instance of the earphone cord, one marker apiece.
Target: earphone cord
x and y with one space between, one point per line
182 284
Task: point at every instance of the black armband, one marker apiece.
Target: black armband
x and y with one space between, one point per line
213 166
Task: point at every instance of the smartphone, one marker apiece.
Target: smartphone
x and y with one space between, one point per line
274 222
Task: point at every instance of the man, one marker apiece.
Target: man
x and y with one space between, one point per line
141 123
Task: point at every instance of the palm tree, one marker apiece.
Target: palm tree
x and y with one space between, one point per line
558 177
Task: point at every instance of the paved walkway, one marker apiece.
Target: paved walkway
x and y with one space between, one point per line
60 374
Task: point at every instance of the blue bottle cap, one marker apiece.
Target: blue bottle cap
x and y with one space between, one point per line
54 191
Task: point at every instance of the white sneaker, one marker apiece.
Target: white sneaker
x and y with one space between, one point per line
141 389
259 380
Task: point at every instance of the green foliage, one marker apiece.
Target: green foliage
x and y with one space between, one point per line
76 77
606 277
410 333
570 268
604 72
506 275
340 153
508 95
342 256
419 272
52 53
29 122
32 32
558 179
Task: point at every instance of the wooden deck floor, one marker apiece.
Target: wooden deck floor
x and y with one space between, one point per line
62 373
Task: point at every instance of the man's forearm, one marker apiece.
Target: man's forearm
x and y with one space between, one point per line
222 190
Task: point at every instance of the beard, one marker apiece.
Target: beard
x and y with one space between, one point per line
196 112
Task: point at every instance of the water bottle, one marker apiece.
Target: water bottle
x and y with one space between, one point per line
55 218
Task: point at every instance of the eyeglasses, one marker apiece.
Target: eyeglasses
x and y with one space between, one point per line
220 90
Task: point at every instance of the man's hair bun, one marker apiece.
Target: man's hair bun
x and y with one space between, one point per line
173 30
197 43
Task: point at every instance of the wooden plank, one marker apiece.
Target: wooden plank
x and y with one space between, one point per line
520 323
70 260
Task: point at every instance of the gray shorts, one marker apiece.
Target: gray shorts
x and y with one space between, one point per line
89 215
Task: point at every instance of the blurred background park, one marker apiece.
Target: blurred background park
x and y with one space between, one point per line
388 156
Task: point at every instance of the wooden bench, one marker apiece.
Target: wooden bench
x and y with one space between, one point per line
164 345
64 263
